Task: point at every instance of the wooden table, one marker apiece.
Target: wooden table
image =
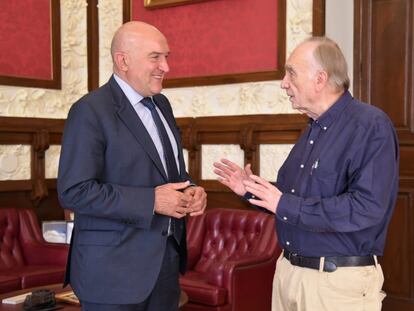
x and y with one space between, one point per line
57 288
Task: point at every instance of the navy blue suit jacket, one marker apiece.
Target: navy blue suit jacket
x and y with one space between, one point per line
108 170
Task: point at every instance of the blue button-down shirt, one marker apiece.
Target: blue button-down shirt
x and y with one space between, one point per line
339 183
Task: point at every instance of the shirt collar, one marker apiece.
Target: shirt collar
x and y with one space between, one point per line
129 92
333 112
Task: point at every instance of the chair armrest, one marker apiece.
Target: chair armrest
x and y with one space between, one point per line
195 238
45 253
252 285
222 273
248 281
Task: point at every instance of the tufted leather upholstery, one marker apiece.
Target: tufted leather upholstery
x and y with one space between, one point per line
232 257
26 260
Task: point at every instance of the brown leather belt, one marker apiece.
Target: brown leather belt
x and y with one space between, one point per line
331 263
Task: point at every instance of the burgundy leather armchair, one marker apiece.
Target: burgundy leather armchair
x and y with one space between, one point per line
231 260
26 259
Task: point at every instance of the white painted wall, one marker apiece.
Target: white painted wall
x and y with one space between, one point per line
339 25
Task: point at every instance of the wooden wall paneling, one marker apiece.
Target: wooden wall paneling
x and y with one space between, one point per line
93 44
40 144
247 142
37 192
406 162
384 69
188 139
398 259
126 10
360 48
318 18
391 62
49 208
248 132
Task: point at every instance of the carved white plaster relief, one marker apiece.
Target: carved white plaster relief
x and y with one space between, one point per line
233 99
14 162
272 158
110 18
299 22
213 153
52 156
45 103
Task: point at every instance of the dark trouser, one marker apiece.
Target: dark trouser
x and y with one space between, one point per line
166 292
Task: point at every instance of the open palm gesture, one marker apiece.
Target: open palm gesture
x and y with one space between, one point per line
232 175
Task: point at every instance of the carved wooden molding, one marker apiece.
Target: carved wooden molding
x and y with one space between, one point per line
39 133
93 44
40 144
155 4
246 131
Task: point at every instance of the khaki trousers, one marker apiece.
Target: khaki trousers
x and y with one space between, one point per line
346 289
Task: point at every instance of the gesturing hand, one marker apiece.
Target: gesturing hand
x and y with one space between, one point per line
232 175
170 201
267 193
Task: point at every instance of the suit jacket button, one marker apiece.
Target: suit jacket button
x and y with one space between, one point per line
164 232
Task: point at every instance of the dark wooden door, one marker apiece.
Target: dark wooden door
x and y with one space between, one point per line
383 67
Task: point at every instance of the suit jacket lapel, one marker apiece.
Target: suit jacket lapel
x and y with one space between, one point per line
130 118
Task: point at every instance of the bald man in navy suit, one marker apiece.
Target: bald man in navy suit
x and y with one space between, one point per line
116 174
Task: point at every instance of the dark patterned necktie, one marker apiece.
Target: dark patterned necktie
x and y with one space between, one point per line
172 170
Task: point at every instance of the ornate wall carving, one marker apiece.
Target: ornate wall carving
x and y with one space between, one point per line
213 153
52 156
272 158
14 162
110 18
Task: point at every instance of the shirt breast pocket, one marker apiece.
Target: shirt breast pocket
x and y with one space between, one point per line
324 182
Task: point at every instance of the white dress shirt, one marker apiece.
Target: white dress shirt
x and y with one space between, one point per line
145 115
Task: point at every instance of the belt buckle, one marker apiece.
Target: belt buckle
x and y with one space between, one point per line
291 255
329 266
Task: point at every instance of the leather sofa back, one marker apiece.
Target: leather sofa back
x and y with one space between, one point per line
11 254
225 235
